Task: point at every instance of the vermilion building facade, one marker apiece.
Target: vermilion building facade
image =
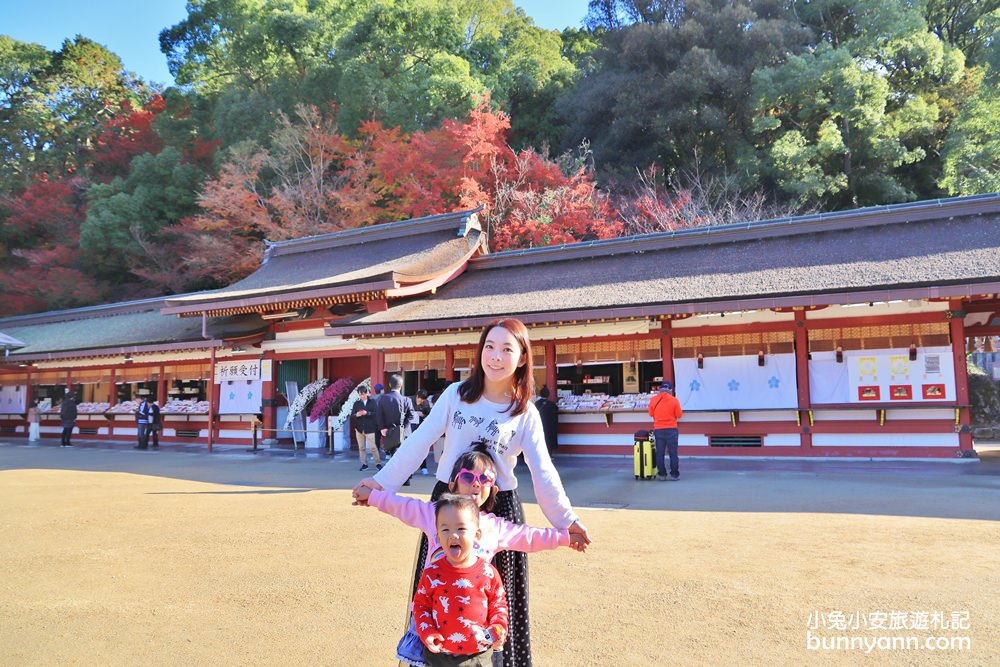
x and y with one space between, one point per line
830 335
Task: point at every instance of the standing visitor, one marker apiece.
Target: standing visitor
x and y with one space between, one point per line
67 417
155 424
142 423
549 412
377 396
393 415
34 422
421 408
665 410
365 425
494 406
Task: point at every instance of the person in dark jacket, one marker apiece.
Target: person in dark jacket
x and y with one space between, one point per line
366 425
421 408
393 415
549 412
377 396
155 424
142 423
67 417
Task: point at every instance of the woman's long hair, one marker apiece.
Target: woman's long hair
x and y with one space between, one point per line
471 390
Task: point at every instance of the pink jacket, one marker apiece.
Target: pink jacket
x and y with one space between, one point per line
498 534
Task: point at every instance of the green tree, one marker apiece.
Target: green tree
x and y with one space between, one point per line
972 150
127 219
970 25
859 118
54 104
674 88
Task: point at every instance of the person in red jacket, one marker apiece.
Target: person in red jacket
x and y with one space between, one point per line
665 410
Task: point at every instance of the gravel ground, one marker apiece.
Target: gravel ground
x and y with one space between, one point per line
128 558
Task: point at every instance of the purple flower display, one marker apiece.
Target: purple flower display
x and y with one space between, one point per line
331 399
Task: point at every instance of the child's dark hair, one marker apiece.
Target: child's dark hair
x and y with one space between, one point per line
459 502
479 453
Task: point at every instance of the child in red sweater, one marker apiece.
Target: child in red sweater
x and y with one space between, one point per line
460 607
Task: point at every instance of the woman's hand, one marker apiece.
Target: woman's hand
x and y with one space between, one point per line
578 528
363 489
577 543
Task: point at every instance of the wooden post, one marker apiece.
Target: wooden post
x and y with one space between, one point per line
211 401
551 374
667 353
802 374
449 364
161 390
268 389
961 378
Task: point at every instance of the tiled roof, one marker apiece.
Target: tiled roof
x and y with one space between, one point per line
379 257
846 257
111 331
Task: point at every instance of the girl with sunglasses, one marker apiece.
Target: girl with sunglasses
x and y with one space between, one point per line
492 405
474 474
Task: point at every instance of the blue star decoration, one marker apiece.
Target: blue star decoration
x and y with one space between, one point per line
695 385
232 395
734 385
773 382
249 395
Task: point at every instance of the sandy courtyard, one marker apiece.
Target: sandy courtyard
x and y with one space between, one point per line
123 568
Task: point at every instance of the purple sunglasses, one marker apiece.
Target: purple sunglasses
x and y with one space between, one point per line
466 476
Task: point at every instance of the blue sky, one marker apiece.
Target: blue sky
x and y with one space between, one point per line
131 29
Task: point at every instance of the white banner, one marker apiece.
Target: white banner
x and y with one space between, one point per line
882 376
239 397
12 400
736 383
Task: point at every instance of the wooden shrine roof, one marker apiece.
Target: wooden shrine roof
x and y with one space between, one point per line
356 265
909 251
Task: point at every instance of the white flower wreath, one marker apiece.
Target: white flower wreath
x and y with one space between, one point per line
305 397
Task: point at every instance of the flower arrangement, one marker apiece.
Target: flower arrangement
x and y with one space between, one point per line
345 409
305 397
331 398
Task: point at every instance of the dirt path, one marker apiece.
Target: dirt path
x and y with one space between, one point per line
104 568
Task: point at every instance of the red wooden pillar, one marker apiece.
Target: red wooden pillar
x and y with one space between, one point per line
212 395
112 398
378 376
449 364
802 377
550 370
268 390
667 354
961 378
161 388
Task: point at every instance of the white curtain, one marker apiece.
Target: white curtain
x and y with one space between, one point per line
239 397
736 383
12 400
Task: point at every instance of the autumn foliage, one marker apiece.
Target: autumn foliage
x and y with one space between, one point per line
315 180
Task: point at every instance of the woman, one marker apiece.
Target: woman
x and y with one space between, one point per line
34 422
493 406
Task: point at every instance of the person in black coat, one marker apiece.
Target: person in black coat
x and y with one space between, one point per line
365 425
67 417
155 425
393 415
549 412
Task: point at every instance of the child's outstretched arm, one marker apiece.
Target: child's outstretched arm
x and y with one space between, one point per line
519 537
411 511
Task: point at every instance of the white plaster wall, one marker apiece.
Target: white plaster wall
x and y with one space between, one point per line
885 440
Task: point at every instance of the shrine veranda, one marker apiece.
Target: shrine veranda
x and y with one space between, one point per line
834 335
